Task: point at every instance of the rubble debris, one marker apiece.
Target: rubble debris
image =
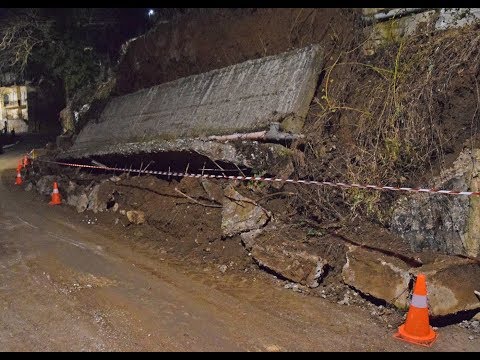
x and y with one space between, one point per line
298 266
241 214
213 190
136 217
450 280
95 203
248 238
383 277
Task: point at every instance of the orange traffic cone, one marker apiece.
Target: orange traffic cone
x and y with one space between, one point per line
18 180
56 199
417 329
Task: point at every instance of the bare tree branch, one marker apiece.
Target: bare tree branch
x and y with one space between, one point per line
19 35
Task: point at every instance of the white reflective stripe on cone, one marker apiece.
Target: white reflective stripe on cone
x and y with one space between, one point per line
55 191
419 301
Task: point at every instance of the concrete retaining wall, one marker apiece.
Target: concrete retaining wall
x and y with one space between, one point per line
240 98
390 25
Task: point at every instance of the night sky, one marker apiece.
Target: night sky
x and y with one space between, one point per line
103 28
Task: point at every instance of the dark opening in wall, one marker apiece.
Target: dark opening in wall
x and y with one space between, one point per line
176 161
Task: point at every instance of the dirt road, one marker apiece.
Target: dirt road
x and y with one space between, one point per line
67 286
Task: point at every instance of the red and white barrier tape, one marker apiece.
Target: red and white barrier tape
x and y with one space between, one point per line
268 179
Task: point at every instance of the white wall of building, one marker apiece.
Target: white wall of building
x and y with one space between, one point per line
14 108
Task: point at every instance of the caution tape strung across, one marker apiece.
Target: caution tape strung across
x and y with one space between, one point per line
268 179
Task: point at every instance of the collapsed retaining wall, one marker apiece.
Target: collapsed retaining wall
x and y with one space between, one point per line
245 97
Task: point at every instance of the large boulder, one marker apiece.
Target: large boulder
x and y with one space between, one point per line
44 185
278 248
213 190
95 201
248 238
445 223
451 280
292 264
75 196
381 276
241 214
79 201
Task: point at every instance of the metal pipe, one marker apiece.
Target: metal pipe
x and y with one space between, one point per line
273 134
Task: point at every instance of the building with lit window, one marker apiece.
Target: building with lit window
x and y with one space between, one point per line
14 108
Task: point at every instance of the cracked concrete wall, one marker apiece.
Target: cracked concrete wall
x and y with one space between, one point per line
240 98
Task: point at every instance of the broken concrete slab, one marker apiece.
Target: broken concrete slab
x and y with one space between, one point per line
451 280
192 186
76 196
259 157
71 187
381 276
239 98
277 247
213 190
82 203
292 264
442 222
95 203
248 238
79 201
241 214
45 184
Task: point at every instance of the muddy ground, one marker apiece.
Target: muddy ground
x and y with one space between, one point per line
179 217
86 281
183 223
